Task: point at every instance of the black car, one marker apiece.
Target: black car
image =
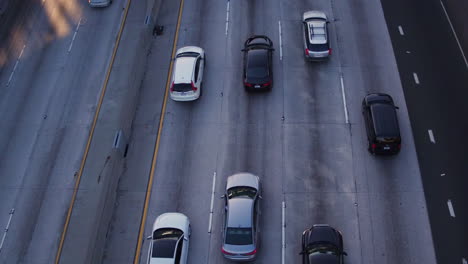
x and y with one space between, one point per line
258 72
322 244
383 131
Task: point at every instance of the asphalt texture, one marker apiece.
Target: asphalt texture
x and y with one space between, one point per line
438 103
295 137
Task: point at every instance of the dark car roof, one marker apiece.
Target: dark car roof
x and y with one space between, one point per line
257 57
385 120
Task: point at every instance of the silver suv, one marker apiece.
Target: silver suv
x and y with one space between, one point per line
241 218
316 42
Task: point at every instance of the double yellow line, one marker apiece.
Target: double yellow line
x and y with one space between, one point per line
93 127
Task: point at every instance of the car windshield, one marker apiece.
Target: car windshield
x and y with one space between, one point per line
241 191
187 54
257 65
238 236
165 241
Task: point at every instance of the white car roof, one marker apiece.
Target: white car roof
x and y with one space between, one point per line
174 220
183 69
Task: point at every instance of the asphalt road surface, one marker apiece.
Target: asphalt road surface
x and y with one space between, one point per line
296 138
50 79
305 139
437 107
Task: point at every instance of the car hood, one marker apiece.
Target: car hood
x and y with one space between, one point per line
172 220
243 179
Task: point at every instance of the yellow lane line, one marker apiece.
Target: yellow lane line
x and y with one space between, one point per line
90 137
158 138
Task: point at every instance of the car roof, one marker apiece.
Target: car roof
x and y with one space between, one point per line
183 69
385 120
240 212
243 179
317 31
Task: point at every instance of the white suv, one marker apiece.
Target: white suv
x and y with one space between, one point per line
187 74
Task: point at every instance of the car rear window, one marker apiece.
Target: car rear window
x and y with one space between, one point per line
239 236
182 87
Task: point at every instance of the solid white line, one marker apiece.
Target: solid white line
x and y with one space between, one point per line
227 16
345 107
280 40
212 202
416 79
455 34
74 35
16 65
21 53
283 231
452 212
431 136
401 30
12 211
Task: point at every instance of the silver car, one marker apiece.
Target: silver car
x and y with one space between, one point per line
316 42
241 217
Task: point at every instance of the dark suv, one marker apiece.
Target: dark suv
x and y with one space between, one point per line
383 132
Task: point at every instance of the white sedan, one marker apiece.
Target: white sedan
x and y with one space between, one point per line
170 239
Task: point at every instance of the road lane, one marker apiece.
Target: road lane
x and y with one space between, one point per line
436 105
314 160
46 110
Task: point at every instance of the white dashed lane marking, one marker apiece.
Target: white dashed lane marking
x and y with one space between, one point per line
212 202
283 230
227 16
401 30
280 40
431 136
416 78
450 207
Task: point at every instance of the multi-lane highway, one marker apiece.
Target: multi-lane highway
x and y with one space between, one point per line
305 138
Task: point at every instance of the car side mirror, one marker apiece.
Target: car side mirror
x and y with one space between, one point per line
260 197
396 107
344 253
186 239
149 237
222 196
243 50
